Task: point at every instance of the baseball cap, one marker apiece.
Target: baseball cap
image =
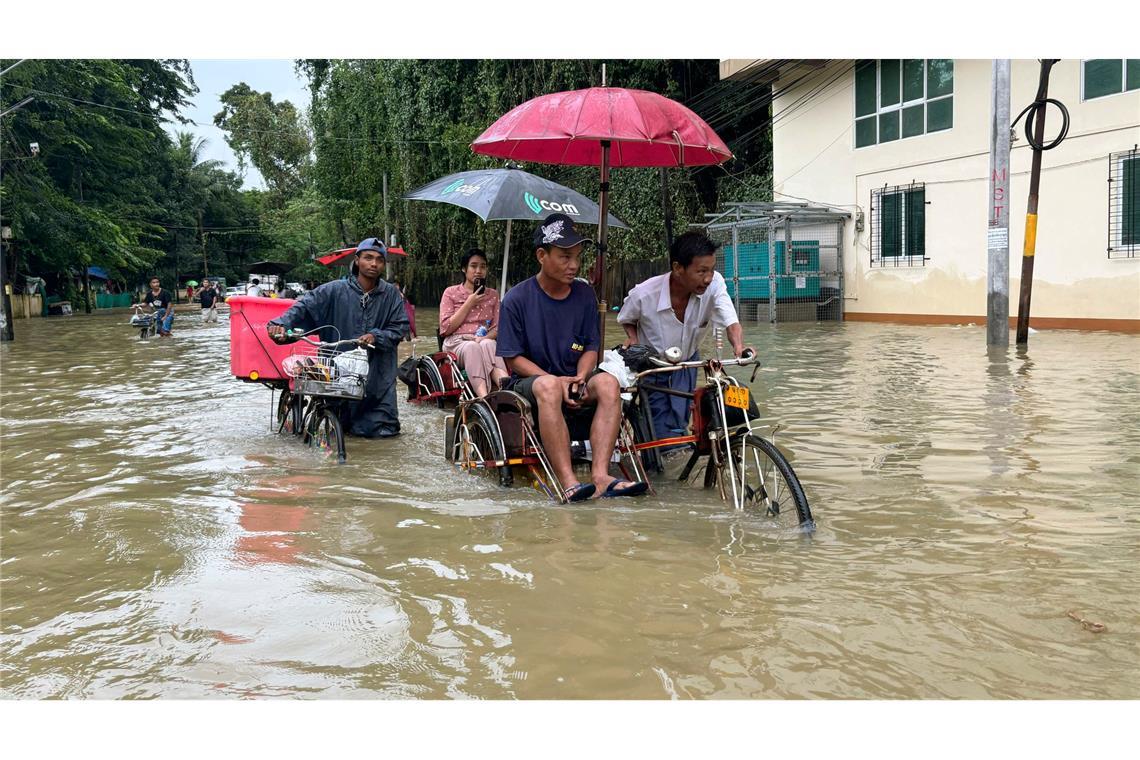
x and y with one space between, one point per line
373 244
558 229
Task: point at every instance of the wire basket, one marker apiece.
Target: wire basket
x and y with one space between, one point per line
328 373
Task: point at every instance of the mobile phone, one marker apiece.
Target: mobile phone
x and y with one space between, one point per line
574 392
480 284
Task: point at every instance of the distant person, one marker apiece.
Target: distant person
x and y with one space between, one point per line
189 293
159 301
254 288
209 298
360 306
469 324
677 309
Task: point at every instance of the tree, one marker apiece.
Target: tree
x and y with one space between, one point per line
271 136
89 197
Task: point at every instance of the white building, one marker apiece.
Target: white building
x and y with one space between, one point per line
904 146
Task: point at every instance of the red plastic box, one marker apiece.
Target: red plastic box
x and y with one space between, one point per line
253 355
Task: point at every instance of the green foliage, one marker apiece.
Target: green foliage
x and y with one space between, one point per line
112 187
415 120
91 195
270 136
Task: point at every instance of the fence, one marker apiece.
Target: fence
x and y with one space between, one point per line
782 262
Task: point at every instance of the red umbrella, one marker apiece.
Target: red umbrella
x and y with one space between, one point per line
333 257
605 127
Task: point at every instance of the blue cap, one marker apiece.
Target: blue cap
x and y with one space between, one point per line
373 244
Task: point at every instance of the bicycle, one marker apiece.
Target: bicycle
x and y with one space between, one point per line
319 387
739 461
145 322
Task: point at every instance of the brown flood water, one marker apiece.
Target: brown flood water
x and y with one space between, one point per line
159 540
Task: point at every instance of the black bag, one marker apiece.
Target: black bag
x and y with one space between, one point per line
407 372
637 357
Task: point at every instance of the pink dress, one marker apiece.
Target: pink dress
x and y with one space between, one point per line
477 357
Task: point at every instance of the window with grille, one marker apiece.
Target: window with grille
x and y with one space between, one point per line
1124 205
900 98
1109 76
898 226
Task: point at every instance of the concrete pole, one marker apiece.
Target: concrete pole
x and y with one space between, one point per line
997 232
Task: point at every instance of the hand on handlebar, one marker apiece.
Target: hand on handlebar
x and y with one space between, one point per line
367 339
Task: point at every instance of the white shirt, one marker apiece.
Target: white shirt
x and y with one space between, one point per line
253 290
649 306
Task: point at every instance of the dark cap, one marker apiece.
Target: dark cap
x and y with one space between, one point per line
558 229
373 244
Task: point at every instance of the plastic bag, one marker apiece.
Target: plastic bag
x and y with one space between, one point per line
613 363
354 362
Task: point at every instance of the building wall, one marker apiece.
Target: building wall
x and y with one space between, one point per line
815 159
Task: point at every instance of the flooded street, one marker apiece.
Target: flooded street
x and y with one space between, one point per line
160 540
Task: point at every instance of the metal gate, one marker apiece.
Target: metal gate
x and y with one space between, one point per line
782 262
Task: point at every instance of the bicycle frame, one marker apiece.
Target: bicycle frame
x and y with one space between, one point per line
705 435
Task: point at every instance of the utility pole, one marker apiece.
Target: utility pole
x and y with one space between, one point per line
387 240
1031 211
997 233
202 236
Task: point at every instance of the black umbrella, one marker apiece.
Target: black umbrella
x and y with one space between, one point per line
270 267
510 194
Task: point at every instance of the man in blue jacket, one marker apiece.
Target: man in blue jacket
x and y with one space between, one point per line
366 307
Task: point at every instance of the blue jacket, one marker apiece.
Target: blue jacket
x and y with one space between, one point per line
343 311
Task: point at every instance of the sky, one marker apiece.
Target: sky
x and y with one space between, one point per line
215 76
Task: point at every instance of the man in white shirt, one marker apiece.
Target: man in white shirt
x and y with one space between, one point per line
677 309
254 288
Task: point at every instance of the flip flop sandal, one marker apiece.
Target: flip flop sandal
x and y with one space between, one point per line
636 489
580 492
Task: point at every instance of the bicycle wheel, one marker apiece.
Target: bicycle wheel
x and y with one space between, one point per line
289 413
764 481
324 433
478 441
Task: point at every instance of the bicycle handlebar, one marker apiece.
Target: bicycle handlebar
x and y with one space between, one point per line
747 358
289 337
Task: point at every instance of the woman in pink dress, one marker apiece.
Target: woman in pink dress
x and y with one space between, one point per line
469 324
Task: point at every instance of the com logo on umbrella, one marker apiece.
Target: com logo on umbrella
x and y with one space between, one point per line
537 206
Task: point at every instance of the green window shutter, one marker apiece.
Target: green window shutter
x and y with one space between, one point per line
1130 202
1103 77
865 96
889 73
912 121
865 132
916 223
939 77
912 79
1132 75
888 126
890 220
940 115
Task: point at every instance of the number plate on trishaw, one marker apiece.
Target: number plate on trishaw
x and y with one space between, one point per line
737 396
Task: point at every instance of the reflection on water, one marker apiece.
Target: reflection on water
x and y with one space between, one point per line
158 540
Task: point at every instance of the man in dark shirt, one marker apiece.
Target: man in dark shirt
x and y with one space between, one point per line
159 300
209 298
549 339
